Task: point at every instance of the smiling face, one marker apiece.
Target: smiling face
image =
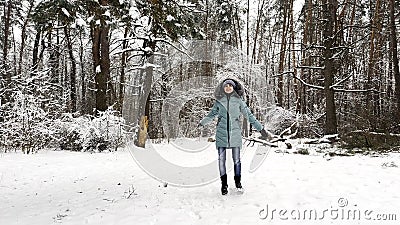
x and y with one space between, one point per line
228 88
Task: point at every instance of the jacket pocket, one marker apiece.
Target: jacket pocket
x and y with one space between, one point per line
237 123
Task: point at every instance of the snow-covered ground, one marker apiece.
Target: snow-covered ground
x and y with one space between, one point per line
53 187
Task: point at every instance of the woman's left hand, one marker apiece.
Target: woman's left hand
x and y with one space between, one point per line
264 134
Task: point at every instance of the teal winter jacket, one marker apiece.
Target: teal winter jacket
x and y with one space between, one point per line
229 109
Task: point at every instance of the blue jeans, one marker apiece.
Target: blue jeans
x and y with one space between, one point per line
222 159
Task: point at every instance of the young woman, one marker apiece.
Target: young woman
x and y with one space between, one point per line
228 107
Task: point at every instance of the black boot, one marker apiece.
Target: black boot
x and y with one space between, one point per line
224 187
237 182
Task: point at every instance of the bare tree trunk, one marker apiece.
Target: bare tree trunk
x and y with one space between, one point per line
84 106
99 77
239 30
372 67
259 17
282 53
35 52
261 48
54 60
235 33
395 59
144 94
296 89
353 15
247 29
23 37
73 71
105 66
101 59
302 104
43 44
5 68
15 63
340 23
379 67
236 28
122 74
144 99
245 122
329 12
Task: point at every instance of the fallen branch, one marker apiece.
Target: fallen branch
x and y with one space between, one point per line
253 140
330 139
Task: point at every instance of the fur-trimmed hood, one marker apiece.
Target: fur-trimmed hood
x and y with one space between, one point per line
238 89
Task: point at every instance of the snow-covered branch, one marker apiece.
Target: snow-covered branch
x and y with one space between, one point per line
307 84
341 81
357 90
175 47
334 87
311 67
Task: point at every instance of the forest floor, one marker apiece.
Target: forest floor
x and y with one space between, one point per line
62 187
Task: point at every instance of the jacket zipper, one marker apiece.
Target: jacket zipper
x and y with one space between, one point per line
228 122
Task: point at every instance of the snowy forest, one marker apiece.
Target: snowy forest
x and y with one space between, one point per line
102 107
86 75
